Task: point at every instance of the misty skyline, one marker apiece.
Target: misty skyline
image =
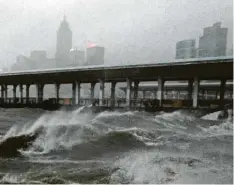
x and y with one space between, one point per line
133 31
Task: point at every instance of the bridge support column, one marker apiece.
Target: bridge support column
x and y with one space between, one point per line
160 90
143 94
6 92
92 91
14 93
73 93
101 92
2 93
57 87
128 92
135 92
113 84
27 93
190 89
76 93
21 93
155 94
195 92
222 92
40 88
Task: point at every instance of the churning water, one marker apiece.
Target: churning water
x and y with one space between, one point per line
117 147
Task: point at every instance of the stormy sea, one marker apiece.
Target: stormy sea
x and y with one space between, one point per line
81 146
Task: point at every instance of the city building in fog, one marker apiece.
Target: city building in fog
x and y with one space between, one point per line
213 42
95 55
77 57
38 55
186 49
37 60
23 63
63 45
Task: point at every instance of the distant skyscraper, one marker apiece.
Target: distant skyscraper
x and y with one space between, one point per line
64 44
95 55
77 57
38 56
213 42
186 49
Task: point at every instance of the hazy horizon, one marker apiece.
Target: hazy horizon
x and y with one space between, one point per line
133 31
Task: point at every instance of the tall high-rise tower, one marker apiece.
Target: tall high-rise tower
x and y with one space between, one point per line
213 42
64 44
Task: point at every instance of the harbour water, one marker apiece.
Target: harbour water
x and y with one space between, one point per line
117 147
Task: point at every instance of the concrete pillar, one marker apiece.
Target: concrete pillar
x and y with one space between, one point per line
206 97
77 93
2 93
155 94
135 90
195 92
92 91
101 92
74 93
21 93
190 89
27 93
14 92
113 84
143 94
57 87
222 91
160 90
40 88
216 94
128 92
5 91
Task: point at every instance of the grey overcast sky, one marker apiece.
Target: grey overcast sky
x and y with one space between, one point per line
141 31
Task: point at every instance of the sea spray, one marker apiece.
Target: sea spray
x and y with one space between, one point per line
134 147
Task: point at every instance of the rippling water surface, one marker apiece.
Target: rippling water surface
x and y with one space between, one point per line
118 147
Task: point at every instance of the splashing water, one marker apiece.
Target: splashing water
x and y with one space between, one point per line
123 147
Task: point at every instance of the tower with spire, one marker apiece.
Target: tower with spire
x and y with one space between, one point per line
64 43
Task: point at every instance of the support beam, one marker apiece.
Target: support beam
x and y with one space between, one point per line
101 92
74 93
135 92
27 93
195 92
128 92
57 87
78 87
143 94
2 91
160 90
40 88
21 93
113 85
222 92
5 91
92 91
155 94
14 93
190 89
